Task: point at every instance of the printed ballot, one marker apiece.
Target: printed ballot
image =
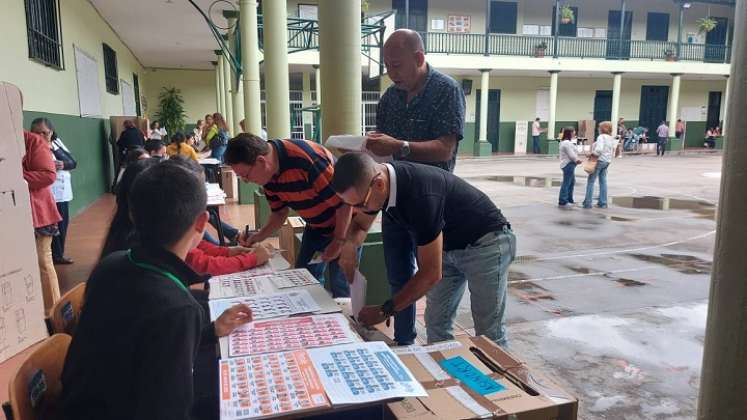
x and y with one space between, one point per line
358 293
239 284
353 144
274 305
363 372
288 334
267 385
293 278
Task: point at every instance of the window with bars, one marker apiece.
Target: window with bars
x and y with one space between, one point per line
44 34
110 70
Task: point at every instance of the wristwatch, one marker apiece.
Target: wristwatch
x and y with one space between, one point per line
387 309
405 150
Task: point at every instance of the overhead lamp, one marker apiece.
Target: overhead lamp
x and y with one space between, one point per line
687 5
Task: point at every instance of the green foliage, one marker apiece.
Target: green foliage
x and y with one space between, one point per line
706 24
171 113
566 14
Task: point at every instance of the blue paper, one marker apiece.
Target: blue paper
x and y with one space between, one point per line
471 376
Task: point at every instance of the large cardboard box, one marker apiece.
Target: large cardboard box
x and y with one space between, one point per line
229 182
21 306
464 380
292 227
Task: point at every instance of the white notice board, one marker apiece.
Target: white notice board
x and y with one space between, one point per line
128 99
89 95
521 137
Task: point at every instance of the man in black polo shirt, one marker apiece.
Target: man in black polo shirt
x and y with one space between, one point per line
461 237
420 119
135 349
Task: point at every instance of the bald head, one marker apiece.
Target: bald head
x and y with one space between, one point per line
404 58
406 40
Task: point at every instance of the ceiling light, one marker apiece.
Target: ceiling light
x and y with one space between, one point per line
686 5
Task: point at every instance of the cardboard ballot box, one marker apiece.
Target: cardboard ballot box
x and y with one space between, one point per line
473 378
288 232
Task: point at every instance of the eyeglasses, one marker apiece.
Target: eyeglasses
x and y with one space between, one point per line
364 203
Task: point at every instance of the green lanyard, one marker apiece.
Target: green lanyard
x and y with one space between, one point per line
155 269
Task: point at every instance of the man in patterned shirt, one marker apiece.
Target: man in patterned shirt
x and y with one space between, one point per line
296 174
421 119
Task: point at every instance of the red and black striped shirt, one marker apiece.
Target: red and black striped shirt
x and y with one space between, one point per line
303 183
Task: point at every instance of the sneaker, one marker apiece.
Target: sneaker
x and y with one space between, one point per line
63 260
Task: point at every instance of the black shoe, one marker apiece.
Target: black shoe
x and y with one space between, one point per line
63 260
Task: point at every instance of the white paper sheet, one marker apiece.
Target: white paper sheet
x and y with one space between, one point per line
354 144
363 372
278 263
358 293
293 278
275 305
239 284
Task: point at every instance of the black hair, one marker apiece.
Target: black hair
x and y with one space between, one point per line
153 124
188 164
177 139
245 148
133 154
152 145
46 122
188 136
568 133
353 170
164 202
120 235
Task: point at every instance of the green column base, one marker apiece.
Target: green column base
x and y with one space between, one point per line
553 147
246 192
675 144
483 148
261 209
720 141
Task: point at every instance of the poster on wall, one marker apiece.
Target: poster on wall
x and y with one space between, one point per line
128 99
308 11
521 136
459 24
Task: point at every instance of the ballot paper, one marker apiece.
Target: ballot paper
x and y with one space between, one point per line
268 385
278 263
274 305
275 335
293 278
358 293
239 284
363 372
354 144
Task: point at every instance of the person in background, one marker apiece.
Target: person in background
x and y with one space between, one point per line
679 129
710 138
568 161
62 189
40 173
209 131
603 150
218 142
621 129
156 150
179 146
242 124
663 133
537 130
198 144
130 138
156 131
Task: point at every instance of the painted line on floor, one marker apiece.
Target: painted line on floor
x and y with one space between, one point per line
581 275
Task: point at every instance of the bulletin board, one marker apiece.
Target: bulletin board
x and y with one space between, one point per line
89 94
459 24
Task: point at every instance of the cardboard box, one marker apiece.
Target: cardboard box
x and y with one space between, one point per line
229 182
462 378
292 226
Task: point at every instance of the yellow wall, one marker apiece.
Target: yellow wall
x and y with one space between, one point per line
197 88
56 91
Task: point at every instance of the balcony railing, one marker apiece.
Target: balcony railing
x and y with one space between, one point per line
611 49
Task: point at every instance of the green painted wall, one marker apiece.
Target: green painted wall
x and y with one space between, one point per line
506 137
694 133
467 145
87 140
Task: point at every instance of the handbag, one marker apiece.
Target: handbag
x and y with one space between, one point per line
591 164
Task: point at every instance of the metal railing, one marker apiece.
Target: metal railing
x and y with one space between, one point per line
544 46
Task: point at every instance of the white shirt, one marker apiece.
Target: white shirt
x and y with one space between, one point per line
392 187
662 131
157 134
536 128
568 153
605 147
62 189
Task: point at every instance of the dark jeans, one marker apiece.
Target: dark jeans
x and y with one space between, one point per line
229 232
661 146
536 145
58 242
569 181
401 265
217 152
314 241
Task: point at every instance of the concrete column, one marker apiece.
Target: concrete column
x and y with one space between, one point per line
674 109
483 148
237 97
250 65
306 116
221 85
726 107
616 87
339 54
228 102
218 99
722 384
277 93
551 132
318 84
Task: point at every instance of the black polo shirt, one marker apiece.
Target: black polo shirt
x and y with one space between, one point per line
134 349
428 200
437 111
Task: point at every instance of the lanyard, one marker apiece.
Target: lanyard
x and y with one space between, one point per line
155 269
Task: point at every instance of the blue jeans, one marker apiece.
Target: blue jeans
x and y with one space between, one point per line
536 145
401 265
217 152
569 181
600 172
314 241
661 146
483 267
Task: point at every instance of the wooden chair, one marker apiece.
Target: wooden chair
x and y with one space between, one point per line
65 313
36 387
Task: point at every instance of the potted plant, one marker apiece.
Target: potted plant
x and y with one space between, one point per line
566 14
171 110
706 24
539 49
669 55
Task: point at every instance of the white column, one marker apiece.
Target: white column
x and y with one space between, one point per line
674 106
722 385
551 132
277 93
222 86
228 103
726 107
237 97
616 87
484 87
318 84
218 98
250 66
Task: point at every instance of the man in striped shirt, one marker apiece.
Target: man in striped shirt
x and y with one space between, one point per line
296 174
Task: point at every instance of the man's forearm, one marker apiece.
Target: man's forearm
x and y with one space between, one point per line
276 220
343 216
414 289
437 150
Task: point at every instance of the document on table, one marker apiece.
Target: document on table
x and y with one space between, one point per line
209 161
269 385
293 278
363 372
239 284
274 305
358 293
287 334
354 144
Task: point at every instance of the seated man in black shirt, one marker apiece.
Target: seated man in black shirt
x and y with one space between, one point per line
134 350
462 239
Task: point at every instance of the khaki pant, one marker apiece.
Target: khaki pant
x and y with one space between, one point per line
49 282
